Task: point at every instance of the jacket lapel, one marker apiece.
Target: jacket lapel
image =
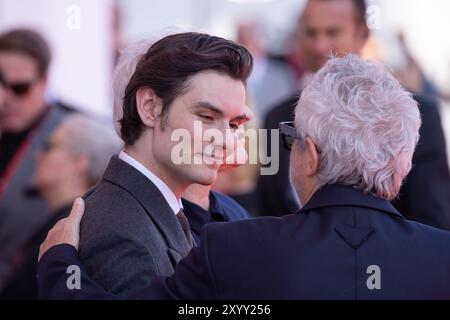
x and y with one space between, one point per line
151 199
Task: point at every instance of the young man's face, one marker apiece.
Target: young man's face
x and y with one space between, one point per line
214 100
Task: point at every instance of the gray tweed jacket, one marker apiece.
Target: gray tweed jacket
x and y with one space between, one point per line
128 233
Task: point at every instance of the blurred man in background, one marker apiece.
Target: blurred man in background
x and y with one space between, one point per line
71 161
26 121
339 26
271 80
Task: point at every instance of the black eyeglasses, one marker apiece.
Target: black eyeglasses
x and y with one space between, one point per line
288 134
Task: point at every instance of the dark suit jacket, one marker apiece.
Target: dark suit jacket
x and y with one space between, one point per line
424 196
129 233
342 245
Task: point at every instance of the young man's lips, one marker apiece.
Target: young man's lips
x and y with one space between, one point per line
214 160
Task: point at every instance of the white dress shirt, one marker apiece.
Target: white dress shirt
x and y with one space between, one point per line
174 203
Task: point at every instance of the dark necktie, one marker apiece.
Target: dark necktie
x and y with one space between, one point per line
185 226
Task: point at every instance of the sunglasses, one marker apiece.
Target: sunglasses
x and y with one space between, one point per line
288 134
20 88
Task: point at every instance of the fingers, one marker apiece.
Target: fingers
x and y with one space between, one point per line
41 251
44 245
76 214
65 230
59 224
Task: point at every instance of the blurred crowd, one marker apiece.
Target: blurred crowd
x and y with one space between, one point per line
50 153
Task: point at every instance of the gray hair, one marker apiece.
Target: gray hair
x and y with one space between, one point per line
364 124
123 72
87 137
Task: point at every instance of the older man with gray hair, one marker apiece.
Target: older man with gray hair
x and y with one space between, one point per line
351 146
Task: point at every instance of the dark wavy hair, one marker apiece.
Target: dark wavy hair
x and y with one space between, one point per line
168 65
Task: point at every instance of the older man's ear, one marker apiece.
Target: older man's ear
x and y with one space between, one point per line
311 157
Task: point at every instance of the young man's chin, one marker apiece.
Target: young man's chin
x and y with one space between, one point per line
206 174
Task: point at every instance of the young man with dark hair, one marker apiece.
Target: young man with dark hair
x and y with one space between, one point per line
134 227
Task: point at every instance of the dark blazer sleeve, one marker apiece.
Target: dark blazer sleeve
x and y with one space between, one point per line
425 194
52 277
193 278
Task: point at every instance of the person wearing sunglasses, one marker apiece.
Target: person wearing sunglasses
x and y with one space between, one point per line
26 121
351 147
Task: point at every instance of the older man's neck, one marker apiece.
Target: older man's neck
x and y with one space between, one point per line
308 189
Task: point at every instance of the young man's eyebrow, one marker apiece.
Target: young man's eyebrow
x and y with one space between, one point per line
208 105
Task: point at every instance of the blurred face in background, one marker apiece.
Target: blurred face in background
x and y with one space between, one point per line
329 26
24 89
56 165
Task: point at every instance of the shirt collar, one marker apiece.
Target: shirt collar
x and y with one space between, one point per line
174 203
